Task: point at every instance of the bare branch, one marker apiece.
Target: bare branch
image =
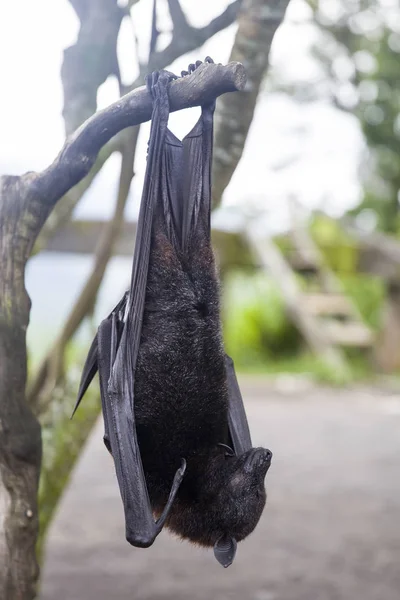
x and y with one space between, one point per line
181 44
68 202
189 39
51 368
178 17
258 22
92 59
81 149
86 65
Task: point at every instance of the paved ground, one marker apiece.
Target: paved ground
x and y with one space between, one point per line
331 529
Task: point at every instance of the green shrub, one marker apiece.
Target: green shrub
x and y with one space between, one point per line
256 327
368 294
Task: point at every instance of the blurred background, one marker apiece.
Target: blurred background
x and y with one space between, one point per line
306 230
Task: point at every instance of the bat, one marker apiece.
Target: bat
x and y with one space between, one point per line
174 420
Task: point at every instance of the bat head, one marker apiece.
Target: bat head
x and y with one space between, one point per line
241 500
229 502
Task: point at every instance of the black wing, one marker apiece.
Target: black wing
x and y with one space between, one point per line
119 421
91 365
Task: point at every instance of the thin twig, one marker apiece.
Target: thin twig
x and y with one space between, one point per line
190 38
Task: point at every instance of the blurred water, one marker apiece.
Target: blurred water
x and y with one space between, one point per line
54 281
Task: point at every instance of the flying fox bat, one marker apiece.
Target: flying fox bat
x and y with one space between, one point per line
174 419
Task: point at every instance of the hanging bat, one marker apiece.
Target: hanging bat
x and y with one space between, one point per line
173 413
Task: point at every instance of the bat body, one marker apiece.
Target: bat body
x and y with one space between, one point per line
173 414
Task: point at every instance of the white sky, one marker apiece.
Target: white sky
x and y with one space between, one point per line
324 142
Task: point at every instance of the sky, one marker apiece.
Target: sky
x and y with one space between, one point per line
321 144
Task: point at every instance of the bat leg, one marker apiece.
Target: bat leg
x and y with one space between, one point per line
174 490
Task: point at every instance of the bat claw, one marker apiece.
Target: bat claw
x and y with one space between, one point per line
182 470
174 490
229 450
193 66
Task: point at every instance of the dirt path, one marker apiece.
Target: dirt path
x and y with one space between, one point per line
331 529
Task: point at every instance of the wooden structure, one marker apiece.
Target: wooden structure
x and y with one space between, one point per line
338 315
326 316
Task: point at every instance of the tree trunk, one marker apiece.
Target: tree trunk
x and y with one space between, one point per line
257 24
20 437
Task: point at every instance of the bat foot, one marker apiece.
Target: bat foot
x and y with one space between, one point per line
164 77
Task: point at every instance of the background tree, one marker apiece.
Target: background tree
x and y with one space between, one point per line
356 49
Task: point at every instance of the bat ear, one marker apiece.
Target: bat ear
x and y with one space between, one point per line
225 550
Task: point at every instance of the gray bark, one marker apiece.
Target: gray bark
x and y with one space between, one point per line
258 21
20 438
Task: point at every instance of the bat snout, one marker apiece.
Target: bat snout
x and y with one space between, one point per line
258 458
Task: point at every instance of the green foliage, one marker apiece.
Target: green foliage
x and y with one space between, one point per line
368 294
256 327
340 253
338 249
367 33
357 54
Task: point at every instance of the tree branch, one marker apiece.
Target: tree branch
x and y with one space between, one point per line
258 22
186 38
86 65
180 44
67 203
81 149
178 18
92 59
51 368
